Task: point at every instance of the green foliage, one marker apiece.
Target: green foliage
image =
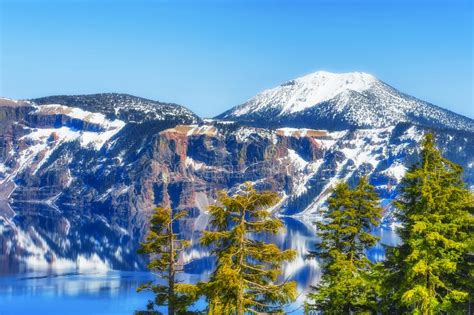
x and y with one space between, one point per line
349 282
429 273
164 247
245 278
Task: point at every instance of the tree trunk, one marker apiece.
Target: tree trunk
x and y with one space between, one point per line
171 272
240 295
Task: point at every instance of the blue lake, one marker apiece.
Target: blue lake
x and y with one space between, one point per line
114 292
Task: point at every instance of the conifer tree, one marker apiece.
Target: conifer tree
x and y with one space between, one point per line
247 270
424 271
348 284
164 248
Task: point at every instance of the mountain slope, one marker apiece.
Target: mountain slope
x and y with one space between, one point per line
125 107
324 100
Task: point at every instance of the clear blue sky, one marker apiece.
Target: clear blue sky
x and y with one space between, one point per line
211 55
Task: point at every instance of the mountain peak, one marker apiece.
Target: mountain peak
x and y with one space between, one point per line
306 91
346 78
335 101
321 86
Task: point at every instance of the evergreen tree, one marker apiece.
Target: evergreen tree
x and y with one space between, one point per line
348 282
425 271
163 245
246 269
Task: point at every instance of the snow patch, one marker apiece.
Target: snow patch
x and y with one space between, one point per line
396 170
189 162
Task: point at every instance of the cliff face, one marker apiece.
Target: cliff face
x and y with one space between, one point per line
77 186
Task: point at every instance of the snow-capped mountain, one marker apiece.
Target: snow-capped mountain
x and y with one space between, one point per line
337 101
80 175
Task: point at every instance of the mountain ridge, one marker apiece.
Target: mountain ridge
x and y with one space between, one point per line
339 101
127 107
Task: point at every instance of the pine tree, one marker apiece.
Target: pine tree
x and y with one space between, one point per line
348 283
247 270
163 245
424 271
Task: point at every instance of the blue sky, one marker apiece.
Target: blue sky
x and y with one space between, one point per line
211 55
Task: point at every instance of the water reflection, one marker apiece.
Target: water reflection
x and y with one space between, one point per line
55 293
40 237
77 247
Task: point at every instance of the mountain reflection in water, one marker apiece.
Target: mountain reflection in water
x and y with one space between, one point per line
86 291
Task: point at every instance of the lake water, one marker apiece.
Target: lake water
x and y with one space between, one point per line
114 292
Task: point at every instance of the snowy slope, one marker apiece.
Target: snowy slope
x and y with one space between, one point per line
125 107
46 129
302 93
326 100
